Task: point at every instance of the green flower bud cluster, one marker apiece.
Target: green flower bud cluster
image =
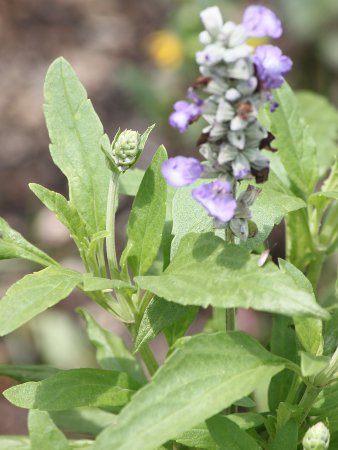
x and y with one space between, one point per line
317 437
126 149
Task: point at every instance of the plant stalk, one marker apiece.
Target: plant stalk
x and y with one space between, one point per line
149 359
307 401
112 202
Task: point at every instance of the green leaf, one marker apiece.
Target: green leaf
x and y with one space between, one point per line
91 283
323 126
286 437
246 420
129 181
181 326
200 437
44 434
299 245
331 334
26 372
283 343
207 271
309 331
273 203
293 139
318 197
246 402
159 315
75 132
75 388
111 352
147 217
14 443
311 365
84 421
64 211
14 245
325 409
33 294
206 374
228 435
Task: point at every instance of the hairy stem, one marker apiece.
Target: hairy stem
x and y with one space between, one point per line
307 401
110 222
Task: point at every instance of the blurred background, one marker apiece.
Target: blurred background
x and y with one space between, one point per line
135 58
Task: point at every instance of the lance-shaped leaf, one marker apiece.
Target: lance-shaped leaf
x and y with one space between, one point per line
33 294
14 443
14 245
75 132
88 421
111 352
129 181
64 211
74 388
199 436
295 144
44 434
309 331
323 126
27 372
147 217
206 374
207 271
159 315
228 435
91 283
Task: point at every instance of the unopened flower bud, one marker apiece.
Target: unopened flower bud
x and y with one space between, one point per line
126 149
317 437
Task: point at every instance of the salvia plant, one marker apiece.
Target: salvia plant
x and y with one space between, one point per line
266 154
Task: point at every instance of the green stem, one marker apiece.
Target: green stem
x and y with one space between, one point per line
230 319
230 313
149 359
315 268
295 385
110 222
307 401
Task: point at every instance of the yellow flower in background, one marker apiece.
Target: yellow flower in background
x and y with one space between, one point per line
165 48
257 41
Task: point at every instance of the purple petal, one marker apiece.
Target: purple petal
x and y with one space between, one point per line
216 199
181 171
184 113
179 120
181 105
259 21
271 65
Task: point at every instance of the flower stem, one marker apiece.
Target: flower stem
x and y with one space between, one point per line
110 222
307 401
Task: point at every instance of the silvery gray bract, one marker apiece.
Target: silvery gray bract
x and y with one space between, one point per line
317 437
233 132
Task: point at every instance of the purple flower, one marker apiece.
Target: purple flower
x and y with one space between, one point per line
181 171
259 21
184 113
271 65
217 199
